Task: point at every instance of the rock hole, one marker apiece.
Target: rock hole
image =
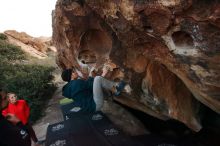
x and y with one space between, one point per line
148 29
182 39
87 57
146 25
95 46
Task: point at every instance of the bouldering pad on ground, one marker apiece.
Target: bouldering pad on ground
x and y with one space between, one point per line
93 129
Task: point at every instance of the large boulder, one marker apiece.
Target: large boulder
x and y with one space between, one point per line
168 50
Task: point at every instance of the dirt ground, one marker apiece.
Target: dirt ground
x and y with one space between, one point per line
52 112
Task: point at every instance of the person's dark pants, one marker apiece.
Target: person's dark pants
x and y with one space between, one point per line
31 132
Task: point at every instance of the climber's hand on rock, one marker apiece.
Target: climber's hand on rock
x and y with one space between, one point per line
105 71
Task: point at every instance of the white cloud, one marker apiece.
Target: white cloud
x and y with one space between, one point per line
30 16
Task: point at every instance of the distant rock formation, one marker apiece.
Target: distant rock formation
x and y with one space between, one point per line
169 50
36 47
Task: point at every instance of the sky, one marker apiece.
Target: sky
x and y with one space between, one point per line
30 16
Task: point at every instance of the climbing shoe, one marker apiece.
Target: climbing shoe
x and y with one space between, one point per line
119 88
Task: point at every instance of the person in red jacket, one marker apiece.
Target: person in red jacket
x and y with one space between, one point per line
21 110
13 132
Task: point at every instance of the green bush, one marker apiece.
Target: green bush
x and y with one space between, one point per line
3 36
29 82
11 52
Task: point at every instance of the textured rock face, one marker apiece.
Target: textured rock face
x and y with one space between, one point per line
168 50
41 44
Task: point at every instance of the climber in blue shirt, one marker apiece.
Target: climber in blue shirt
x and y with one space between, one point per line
88 94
